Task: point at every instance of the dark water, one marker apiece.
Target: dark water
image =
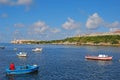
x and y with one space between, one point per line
62 62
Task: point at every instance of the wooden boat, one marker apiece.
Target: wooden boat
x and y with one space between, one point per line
22 54
22 69
37 49
99 57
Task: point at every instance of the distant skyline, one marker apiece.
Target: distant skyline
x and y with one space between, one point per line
56 19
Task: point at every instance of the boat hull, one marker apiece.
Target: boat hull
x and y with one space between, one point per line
22 54
98 58
37 49
22 70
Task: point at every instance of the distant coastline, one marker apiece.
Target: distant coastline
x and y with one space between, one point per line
106 40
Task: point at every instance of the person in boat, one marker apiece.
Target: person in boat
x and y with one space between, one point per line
12 66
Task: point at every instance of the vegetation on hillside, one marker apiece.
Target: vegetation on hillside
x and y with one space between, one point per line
96 40
113 39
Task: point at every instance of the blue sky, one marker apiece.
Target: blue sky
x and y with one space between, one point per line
56 19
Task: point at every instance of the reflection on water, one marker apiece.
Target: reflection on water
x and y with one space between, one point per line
11 77
100 62
29 76
22 58
104 62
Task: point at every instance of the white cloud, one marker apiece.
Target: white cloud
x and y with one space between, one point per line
41 31
4 15
71 24
4 2
55 30
114 29
24 2
113 25
94 21
19 25
39 27
16 32
16 2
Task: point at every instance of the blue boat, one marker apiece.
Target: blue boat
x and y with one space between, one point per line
22 69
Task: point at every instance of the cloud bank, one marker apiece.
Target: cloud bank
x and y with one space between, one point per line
71 24
94 21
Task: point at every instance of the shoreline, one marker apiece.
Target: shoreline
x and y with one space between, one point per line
75 43
83 44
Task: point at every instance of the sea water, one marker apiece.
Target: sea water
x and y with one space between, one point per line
61 62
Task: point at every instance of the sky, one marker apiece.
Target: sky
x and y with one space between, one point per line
56 19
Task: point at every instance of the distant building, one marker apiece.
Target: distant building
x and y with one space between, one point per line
20 41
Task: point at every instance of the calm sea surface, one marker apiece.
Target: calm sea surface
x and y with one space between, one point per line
62 62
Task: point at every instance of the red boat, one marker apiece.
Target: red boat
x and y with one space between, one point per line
99 57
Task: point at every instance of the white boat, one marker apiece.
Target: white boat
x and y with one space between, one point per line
37 49
22 54
99 57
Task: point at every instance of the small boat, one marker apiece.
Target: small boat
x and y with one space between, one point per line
22 69
15 49
22 54
2 47
37 49
99 57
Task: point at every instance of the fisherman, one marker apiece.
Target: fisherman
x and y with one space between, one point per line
12 66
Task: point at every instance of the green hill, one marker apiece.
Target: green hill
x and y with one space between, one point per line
85 40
